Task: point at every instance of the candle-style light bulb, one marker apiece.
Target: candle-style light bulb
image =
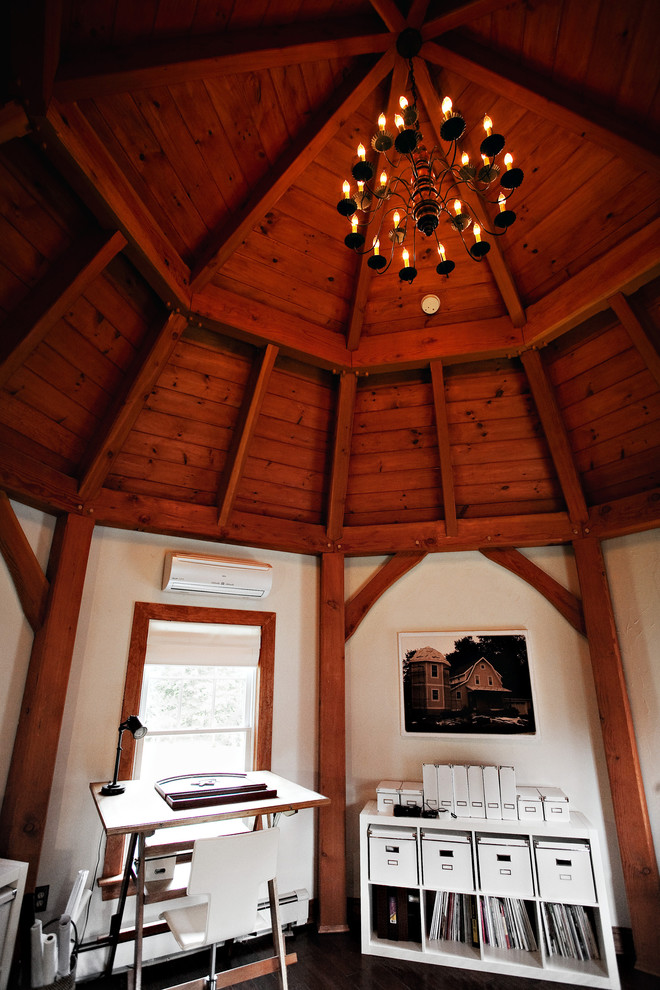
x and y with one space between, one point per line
354 223
441 252
476 230
360 186
396 218
376 245
361 151
501 201
406 258
485 159
446 106
488 125
346 189
382 120
508 160
458 206
403 102
383 178
398 120
465 159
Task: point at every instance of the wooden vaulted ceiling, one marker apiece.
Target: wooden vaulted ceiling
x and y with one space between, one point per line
187 346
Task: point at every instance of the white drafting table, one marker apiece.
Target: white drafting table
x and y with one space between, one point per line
140 811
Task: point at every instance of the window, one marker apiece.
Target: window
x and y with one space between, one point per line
477 679
435 694
458 696
434 670
490 681
221 709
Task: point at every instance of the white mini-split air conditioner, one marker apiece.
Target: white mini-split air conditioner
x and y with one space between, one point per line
216 575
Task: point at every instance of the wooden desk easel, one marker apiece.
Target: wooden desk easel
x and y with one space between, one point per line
140 811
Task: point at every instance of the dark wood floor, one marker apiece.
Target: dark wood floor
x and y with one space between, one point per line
334 962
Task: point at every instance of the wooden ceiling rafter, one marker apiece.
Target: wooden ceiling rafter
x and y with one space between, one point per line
47 302
444 447
470 10
304 149
638 335
390 15
364 274
35 51
74 145
14 122
171 62
562 107
127 405
341 455
495 258
556 436
244 430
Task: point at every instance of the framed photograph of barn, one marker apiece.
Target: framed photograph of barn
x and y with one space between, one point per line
466 683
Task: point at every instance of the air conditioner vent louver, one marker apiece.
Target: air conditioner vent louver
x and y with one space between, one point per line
229 576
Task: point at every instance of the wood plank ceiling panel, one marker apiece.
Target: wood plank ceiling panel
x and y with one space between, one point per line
500 458
394 478
286 471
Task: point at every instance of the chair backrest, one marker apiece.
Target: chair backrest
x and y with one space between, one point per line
229 869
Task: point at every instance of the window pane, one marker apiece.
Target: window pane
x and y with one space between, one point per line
167 756
197 697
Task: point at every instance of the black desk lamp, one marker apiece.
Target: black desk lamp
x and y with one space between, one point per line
137 730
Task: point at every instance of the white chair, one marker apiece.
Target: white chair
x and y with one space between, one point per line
228 870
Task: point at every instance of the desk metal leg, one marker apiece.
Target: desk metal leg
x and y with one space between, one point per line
115 923
139 913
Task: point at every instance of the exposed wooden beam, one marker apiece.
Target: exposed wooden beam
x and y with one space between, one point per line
562 599
35 51
562 106
29 480
258 323
444 447
332 747
359 604
127 405
341 454
14 122
66 280
459 16
169 62
81 156
304 149
255 393
166 516
624 516
640 868
556 436
364 273
495 257
627 266
641 340
31 584
390 14
24 809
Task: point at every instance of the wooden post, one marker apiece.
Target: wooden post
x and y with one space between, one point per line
23 815
332 747
640 869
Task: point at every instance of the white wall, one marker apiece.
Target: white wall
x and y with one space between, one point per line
466 591
446 591
124 568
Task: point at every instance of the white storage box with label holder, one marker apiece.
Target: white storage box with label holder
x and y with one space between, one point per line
530 808
565 872
505 865
387 795
556 807
412 794
393 855
447 860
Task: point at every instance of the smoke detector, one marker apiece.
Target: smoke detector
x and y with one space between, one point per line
430 305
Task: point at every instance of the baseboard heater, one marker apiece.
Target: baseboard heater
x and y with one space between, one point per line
294 910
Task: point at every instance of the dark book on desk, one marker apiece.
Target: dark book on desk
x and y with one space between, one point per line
194 790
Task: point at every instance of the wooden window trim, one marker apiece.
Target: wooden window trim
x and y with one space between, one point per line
143 613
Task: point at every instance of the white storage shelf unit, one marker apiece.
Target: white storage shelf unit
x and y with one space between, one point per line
405 862
12 887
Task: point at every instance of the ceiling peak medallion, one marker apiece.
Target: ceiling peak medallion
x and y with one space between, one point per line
424 186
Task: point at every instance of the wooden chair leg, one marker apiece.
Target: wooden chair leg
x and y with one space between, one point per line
278 937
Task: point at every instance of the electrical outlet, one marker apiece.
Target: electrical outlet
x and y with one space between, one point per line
41 897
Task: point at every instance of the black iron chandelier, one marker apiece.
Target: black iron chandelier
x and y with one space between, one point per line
423 187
